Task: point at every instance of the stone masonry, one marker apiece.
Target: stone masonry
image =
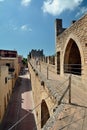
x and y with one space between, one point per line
77 33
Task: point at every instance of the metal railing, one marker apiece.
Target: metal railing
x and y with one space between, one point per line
73 68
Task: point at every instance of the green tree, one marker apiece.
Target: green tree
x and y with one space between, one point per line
24 61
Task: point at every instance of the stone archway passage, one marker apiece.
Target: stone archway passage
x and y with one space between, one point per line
44 113
72 58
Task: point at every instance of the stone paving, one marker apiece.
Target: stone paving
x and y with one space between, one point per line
66 116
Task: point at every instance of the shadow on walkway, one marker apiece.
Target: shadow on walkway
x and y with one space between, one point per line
15 111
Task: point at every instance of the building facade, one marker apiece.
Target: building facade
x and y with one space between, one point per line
9 69
6 85
8 53
71 47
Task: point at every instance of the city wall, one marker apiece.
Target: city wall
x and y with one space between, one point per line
43 100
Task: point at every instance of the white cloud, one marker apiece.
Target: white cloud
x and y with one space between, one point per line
56 7
25 2
25 28
10 26
82 11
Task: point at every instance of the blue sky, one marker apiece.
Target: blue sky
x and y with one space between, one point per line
29 24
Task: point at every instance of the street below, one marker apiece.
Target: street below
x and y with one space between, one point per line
19 114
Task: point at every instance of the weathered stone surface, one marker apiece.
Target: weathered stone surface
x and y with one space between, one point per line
54 97
78 33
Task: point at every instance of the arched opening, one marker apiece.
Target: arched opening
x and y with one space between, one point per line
72 58
44 113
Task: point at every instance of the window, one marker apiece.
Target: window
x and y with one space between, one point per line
5 80
8 64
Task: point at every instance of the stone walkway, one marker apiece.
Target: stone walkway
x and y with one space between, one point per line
66 116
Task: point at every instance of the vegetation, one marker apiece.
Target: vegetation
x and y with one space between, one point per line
24 61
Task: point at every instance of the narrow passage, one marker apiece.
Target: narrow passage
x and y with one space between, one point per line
21 103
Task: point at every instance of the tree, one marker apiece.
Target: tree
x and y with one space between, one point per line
24 61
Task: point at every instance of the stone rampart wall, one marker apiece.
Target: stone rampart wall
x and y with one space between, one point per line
40 92
78 32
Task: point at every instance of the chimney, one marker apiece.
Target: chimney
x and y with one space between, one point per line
58 26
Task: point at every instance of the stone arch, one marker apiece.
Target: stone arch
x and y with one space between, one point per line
73 46
44 113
